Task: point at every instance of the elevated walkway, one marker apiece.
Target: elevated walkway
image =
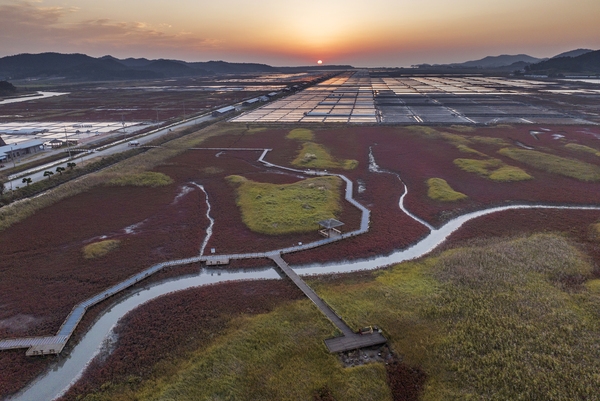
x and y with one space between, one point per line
350 340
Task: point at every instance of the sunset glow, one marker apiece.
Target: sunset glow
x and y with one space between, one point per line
361 33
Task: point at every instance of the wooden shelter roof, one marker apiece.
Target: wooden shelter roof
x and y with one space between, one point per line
330 223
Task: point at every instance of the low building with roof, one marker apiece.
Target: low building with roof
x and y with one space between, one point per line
17 150
24 131
251 101
223 110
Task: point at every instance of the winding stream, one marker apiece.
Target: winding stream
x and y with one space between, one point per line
55 382
209 230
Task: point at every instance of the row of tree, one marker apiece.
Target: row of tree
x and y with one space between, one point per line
47 173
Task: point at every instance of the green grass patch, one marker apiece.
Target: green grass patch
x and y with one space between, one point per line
509 173
424 130
145 179
577 169
488 140
212 170
301 134
593 286
462 128
481 167
441 191
283 209
467 149
494 169
313 155
487 322
276 356
461 141
582 148
99 249
455 139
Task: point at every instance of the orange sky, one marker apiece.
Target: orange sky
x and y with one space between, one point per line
279 32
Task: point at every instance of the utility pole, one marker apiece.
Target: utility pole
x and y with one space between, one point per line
67 142
12 156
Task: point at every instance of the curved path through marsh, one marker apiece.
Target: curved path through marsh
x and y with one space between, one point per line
58 380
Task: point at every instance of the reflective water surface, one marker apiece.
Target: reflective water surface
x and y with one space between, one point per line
53 383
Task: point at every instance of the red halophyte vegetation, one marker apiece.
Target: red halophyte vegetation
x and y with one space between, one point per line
42 257
43 273
390 228
19 369
168 323
230 234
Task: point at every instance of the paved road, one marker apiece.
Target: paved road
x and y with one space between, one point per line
116 147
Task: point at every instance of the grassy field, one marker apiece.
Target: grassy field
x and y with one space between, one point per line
495 321
577 169
582 148
596 230
440 190
458 139
494 169
99 249
314 155
492 322
291 208
145 179
301 134
278 356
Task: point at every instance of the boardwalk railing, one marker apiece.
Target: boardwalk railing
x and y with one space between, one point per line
55 344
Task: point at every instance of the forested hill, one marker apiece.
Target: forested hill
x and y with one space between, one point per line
588 63
81 66
7 89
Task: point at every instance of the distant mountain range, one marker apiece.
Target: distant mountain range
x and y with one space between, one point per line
573 53
585 63
83 67
498 61
507 62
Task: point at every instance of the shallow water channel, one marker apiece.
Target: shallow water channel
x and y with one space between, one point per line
55 382
38 96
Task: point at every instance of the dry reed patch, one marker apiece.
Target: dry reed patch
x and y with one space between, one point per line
99 249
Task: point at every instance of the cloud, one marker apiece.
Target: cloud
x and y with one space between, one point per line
28 26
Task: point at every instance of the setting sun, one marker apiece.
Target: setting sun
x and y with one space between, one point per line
320 62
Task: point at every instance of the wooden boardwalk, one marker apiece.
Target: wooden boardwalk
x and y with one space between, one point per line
350 340
55 344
